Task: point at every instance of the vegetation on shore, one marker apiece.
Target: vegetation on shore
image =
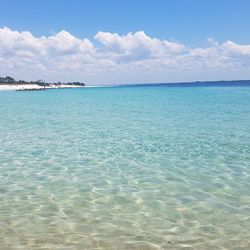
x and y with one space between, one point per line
11 80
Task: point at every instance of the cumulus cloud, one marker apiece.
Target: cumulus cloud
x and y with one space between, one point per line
133 57
138 40
136 46
237 49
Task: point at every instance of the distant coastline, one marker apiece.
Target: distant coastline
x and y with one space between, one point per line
185 84
9 83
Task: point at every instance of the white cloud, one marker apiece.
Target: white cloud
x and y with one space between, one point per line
137 46
134 57
237 49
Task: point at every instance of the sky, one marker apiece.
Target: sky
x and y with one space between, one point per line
139 41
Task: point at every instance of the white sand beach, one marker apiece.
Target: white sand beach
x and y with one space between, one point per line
34 86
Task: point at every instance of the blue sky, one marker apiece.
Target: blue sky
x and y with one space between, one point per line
192 23
188 21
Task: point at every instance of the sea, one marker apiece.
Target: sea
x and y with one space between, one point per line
133 167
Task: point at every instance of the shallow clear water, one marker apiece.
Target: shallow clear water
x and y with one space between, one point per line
125 168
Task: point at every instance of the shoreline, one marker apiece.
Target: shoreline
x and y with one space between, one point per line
23 87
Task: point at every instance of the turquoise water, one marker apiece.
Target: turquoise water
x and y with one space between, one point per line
125 168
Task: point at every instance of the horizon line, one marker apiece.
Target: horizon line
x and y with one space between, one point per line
165 83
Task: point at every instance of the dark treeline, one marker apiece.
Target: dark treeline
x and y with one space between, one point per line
11 80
